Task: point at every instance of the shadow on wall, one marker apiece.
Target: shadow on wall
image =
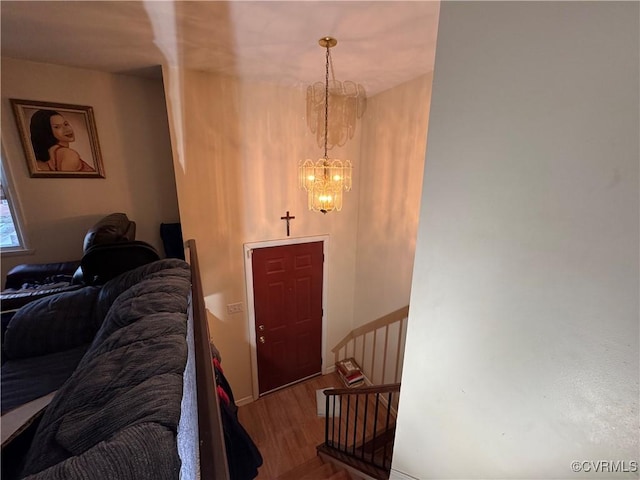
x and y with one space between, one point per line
219 326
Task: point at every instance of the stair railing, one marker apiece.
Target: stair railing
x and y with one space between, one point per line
360 425
378 347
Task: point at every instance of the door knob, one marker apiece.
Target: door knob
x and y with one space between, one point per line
261 328
261 339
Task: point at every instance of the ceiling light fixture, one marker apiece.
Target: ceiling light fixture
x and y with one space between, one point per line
326 179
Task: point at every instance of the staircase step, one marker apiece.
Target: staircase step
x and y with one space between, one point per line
315 469
339 475
381 441
370 470
302 469
319 473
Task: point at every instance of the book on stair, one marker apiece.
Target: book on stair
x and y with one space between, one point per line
350 372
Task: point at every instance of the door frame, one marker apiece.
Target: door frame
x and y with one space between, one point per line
251 311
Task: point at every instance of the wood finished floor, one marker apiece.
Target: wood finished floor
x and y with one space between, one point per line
285 425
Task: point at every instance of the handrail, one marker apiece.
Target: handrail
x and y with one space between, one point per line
389 387
213 458
392 317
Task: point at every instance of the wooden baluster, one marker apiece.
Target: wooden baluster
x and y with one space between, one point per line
396 379
384 354
373 357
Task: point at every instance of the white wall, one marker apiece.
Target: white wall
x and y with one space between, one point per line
132 127
522 352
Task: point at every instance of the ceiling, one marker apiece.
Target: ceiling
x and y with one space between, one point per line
380 43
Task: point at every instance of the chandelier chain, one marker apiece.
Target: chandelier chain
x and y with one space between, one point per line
326 179
326 103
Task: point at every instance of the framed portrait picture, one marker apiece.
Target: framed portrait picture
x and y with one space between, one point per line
59 140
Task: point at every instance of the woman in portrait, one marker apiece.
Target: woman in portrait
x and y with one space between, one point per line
51 135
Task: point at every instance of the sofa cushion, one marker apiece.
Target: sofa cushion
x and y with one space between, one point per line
52 324
113 228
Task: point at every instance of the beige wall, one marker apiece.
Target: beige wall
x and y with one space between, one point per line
522 350
392 159
236 151
131 120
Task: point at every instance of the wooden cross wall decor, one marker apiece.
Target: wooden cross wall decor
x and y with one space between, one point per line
287 218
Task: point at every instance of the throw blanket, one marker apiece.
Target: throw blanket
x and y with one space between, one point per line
116 417
44 343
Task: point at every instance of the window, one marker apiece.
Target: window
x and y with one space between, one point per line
11 238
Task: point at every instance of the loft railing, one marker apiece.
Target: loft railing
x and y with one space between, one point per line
360 427
378 347
212 455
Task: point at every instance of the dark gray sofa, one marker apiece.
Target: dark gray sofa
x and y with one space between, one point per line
117 414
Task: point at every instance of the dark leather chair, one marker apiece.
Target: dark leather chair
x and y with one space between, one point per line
113 228
101 263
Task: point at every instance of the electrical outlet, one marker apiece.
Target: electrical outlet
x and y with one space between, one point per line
234 308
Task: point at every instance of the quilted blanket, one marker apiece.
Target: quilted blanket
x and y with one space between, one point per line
116 417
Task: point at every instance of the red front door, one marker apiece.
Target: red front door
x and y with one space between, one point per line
287 288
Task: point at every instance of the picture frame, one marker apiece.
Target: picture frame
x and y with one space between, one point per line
58 139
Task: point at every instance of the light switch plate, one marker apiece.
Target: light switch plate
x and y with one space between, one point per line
235 308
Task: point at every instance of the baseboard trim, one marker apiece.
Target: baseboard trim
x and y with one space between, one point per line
396 475
244 401
329 369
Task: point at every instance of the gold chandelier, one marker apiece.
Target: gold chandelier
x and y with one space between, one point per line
325 179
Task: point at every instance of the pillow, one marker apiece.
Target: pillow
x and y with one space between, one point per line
52 324
111 229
